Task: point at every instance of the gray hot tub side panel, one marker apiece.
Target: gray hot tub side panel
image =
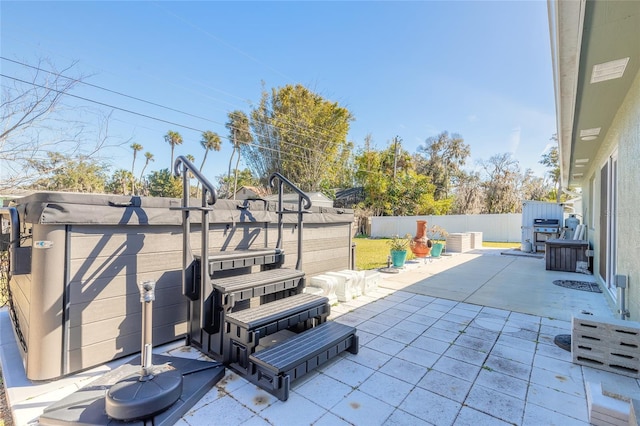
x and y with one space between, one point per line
46 310
327 247
105 265
80 306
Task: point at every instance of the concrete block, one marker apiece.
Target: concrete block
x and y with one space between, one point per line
371 280
600 420
458 242
328 285
313 290
623 393
344 290
476 240
357 281
634 412
607 344
604 409
351 281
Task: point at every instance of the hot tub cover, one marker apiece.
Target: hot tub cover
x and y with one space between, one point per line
61 208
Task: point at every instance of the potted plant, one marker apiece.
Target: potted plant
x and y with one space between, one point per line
437 235
398 247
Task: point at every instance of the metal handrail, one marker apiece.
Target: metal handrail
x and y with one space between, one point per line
14 238
14 247
290 184
207 187
182 167
301 210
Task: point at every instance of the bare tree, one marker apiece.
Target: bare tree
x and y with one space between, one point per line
469 196
534 188
551 160
502 193
36 121
445 156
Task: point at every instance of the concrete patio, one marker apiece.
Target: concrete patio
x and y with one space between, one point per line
463 340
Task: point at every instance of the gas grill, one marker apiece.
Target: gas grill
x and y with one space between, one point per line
543 230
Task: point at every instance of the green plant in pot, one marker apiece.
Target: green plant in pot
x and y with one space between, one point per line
438 236
399 247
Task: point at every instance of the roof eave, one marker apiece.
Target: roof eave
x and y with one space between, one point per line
566 20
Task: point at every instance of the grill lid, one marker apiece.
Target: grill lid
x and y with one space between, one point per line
546 222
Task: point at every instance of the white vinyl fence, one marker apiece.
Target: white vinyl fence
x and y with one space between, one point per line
494 227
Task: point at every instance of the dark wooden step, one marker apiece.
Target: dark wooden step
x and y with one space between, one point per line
293 309
234 259
245 328
276 367
242 287
285 356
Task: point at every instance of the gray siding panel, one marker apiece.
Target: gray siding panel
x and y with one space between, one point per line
116 328
120 306
80 359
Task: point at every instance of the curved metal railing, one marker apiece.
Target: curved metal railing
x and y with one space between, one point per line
190 288
302 209
19 259
188 167
14 236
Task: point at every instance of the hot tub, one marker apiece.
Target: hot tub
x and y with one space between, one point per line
78 258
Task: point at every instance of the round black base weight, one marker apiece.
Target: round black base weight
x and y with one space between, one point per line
136 398
563 341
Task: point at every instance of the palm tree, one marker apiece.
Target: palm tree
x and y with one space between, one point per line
136 147
173 139
149 157
192 159
210 141
239 134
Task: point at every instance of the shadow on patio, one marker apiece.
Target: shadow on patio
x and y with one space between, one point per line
464 340
487 278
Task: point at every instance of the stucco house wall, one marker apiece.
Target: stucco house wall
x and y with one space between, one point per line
626 131
623 135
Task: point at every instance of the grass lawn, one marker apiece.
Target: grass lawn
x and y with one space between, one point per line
373 253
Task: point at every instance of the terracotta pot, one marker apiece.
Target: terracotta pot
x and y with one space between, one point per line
420 245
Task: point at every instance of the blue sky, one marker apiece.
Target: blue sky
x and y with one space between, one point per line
407 69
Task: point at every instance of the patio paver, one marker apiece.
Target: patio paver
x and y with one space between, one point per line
430 356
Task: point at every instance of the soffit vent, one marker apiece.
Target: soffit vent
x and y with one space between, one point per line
589 134
609 70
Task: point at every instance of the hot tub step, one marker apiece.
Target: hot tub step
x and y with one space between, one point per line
235 259
276 367
271 317
243 287
245 328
